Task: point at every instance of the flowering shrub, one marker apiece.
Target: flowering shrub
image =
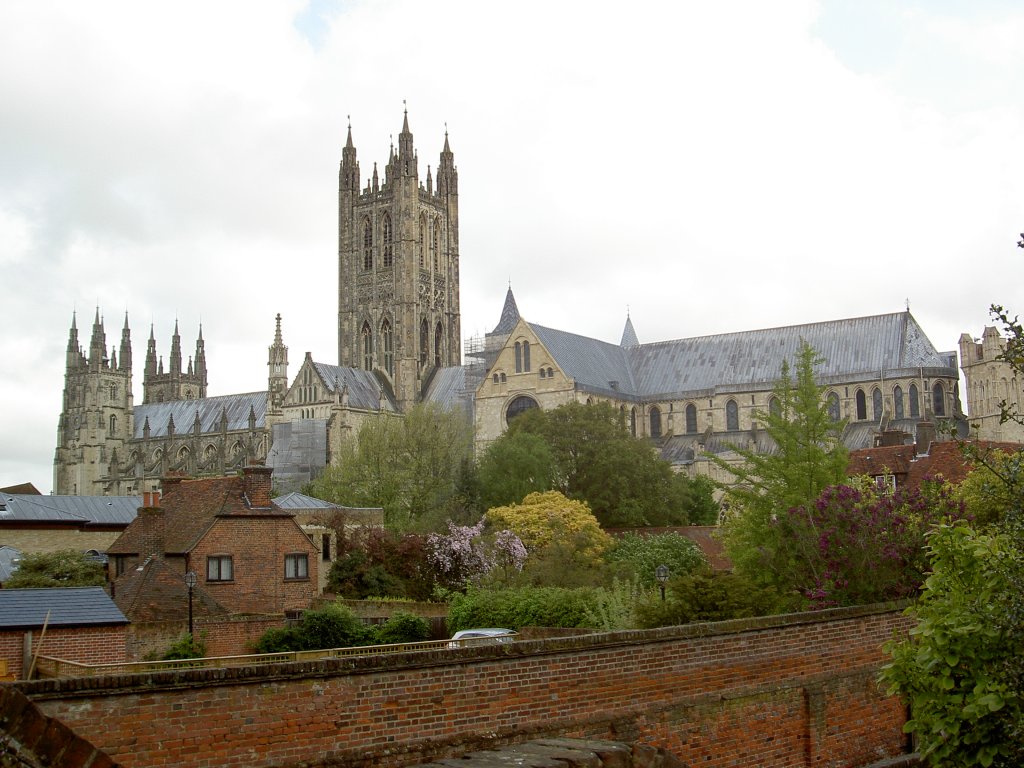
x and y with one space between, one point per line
855 545
464 556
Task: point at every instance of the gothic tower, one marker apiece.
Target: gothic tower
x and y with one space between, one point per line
398 268
96 418
277 367
175 384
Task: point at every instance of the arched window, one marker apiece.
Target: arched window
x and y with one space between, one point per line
387 235
367 335
691 419
438 344
494 378
423 242
876 404
655 422
526 356
113 423
632 421
732 416
897 401
774 407
519 357
504 379
518 405
550 373
938 399
543 373
424 341
862 405
832 405
113 392
388 343
367 244
915 403
435 229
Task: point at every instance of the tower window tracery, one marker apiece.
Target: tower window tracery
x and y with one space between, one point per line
388 257
691 419
897 401
438 344
915 402
938 399
388 343
367 244
367 336
732 416
423 242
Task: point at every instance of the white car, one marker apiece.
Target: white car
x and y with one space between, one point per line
486 636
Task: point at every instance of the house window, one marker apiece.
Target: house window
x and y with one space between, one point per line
938 400
691 419
655 422
897 401
885 484
296 566
219 568
732 416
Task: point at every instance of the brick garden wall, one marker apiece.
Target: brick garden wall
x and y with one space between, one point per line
775 691
88 645
229 636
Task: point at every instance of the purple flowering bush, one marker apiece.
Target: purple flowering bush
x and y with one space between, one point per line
857 545
465 555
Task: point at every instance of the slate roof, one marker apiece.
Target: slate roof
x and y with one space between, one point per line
302 501
890 345
364 387
73 510
509 316
189 509
210 410
454 388
67 606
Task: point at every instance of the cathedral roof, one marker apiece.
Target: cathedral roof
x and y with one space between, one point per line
509 316
454 387
236 407
78 510
892 345
364 388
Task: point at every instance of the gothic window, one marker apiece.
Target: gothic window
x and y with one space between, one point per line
438 344
210 453
387 237
691 419
113 392
367 335
504 379
938 399
832 406
519 357
434 250
518 405
494 378
774 407
113 423
862 405
526 356
632 421
389 352
897 401
543 373
655 422
367 244
423 242
424 341
876 404
550 373
732 416
915 403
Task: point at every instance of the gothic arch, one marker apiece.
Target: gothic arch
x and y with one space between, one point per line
367 244
732 416
387 342
832 406
423 241
655 418
774 406
438 344
387 235
366 337
939 399
915 402
876 404
435 230
691 419
862 405
897 402
424 341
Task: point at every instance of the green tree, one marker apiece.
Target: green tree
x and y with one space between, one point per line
412 467
513 467
642 554
596 460
705 595
809 456
66 568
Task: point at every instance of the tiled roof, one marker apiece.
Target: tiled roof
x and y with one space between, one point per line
364 388
188 509
81 510
210 410
67 607
155 591
945 459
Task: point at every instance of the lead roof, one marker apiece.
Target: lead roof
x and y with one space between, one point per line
87 510
237 408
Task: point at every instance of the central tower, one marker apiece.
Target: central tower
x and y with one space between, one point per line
398 268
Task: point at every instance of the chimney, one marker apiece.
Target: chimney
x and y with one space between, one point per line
151 520
890 437
257 480
169 483
925 437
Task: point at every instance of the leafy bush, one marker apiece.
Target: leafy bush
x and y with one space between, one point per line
334 626
706 595
403 627
524 606
185 648
374 562
66 568
642 554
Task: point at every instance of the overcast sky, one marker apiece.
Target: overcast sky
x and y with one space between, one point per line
711 166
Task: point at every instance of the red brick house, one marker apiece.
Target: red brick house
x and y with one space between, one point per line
903 466
249 555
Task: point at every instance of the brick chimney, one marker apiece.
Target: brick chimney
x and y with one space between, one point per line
258 485
925 437
151 520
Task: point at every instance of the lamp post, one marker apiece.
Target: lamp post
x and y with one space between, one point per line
661 574
190 581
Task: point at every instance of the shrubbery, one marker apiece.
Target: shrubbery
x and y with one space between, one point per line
642 554
706 595
335 626
525 606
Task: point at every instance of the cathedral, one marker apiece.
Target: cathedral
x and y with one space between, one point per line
399 343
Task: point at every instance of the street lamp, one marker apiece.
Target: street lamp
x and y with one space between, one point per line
190 581
661 574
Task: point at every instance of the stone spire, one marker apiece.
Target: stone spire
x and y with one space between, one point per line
151 368
125 356
97 344
348 177
447 175
175 351
200 368
74 352
406 153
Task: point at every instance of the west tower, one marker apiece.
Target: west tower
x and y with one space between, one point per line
398 268
96 418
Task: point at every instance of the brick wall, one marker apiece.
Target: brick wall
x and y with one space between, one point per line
229 636
89 645
775 691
